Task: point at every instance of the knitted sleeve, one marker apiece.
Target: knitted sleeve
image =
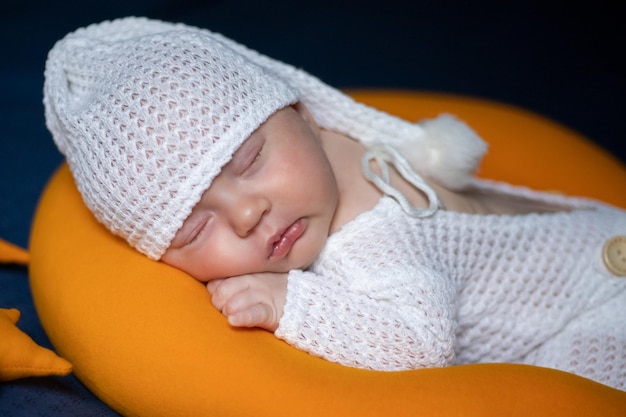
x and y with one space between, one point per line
407 325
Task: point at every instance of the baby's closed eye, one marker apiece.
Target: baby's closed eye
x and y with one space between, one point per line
247 155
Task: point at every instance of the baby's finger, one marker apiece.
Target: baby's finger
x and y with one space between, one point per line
257 315
212 285
225 292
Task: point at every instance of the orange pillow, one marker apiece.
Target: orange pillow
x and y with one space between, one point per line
20 356
145 338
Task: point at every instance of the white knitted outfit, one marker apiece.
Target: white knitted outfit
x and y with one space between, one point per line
147 113
393 292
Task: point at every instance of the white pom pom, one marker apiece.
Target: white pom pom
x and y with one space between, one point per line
449 152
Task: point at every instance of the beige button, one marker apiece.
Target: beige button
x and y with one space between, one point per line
614 255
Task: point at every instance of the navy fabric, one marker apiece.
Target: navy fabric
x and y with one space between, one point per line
556 58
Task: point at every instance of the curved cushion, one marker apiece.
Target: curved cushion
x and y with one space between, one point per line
145 338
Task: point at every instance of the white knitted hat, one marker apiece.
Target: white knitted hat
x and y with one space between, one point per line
147 113
147 120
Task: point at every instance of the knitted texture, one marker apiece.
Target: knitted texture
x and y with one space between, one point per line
444 148
147 117
148 112
392 292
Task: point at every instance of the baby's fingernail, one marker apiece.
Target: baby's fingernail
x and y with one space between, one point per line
234 321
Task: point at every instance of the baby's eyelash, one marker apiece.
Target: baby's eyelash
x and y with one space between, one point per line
196 234
255 159
247 156
194 238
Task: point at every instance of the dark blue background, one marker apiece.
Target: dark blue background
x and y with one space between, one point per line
556 58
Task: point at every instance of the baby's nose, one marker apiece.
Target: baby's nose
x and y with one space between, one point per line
247 213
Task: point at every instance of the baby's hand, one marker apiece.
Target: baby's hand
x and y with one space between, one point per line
255 300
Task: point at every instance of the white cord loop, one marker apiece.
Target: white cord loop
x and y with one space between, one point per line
384 155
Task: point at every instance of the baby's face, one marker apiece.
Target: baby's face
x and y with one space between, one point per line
269 210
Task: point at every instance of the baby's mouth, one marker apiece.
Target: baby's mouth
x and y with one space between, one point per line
281 245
